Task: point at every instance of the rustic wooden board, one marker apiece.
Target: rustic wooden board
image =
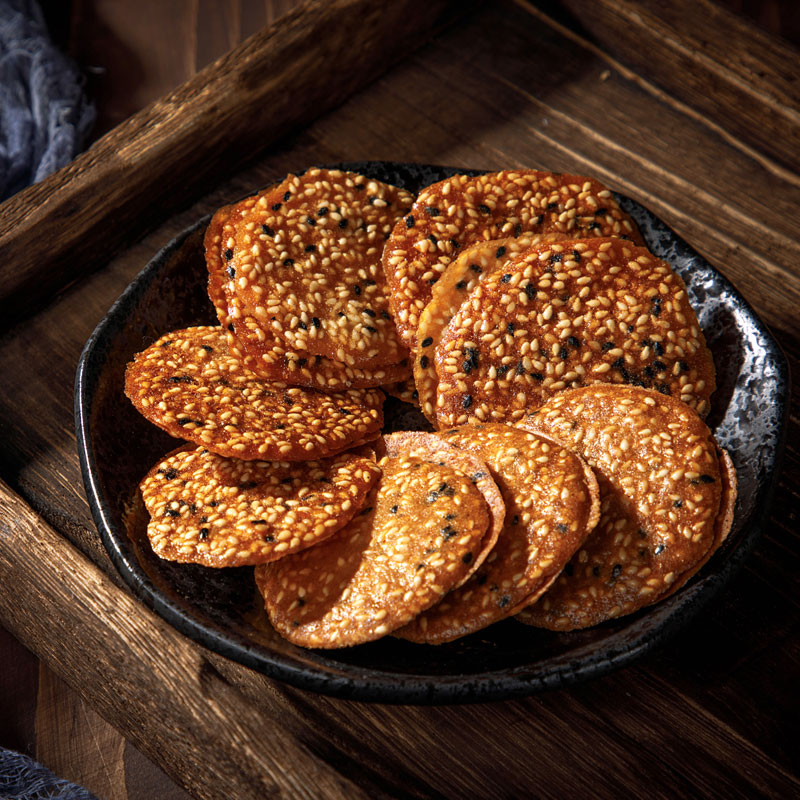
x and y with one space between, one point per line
711 714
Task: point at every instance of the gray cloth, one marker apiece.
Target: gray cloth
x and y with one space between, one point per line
44 116
21 778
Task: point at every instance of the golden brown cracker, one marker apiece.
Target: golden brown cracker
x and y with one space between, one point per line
433 448
188 384
569 314
461 210
224 512
459 278
303 266
666 501
551 505
414 540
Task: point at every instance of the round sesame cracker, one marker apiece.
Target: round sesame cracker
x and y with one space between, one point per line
430 447
188 384
551 505
666 501
461 210
459 278
303 267
414 540
568 314
225 512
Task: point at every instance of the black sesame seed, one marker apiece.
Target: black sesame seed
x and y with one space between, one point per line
311 221
277 206
501 370
658 348
476 268
311 248
662 387
461 285
427 341
563 353
659 365
370 313
677 504
649 372
231 272
357 290
286 196
432 211
510 327
268 230
342 223
409 222
684 366
561 527
606 346
618 363
393 510
288 262
518 230
573 341
423 362
467 401
615 571
302 325
501 251
596 571
504 601
706 479
515 520
181 379
552 205
385 315
323 211
537 376
484 208
171 512
204 533
170 474
228 254
506 278
530 291
659 549
466 558
433 239
556 257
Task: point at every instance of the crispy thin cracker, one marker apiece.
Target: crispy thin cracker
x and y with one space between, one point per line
188 384
459 278
551 505
666 501
569 314
428 446
459 211
414 540
302 268
224 512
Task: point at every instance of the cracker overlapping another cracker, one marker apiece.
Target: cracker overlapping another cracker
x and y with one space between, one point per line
190 385
415 539
667 494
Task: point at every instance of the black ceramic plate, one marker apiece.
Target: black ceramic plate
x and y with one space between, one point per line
220 609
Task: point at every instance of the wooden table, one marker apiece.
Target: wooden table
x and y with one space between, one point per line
683 108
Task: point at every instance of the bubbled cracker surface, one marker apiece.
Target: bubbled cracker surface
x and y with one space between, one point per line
569 314
412 542
188 384
459 278
551 505
459 211
302 267
660 492
225 512
430 447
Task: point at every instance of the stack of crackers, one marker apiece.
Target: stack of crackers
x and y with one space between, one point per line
570 478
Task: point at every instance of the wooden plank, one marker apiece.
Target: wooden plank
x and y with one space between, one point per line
112 649
280 78
728 71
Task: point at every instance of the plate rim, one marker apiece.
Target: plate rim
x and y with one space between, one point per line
377 685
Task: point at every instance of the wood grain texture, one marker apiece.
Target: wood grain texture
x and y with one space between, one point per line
714 713
280 78
115 648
